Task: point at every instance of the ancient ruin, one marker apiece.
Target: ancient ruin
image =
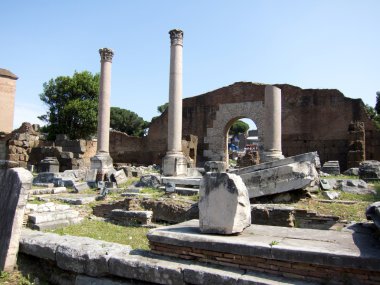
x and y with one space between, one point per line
174 163
7 100
102 161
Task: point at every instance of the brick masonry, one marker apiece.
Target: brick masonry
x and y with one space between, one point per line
312 120
298 270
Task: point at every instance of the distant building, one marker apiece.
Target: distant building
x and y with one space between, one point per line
7 100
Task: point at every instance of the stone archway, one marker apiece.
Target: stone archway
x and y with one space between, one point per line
216 137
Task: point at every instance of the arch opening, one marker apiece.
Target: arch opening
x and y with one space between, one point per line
242 142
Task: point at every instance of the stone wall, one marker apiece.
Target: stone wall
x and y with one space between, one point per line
14 186
145 150
20 142
312 120
71 154
7 99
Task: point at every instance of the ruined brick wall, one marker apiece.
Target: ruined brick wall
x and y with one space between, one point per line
7 100
312 120
145 150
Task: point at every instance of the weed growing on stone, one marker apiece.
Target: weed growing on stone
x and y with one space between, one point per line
100 230
274 242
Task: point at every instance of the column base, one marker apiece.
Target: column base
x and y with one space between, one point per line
103 163
271 156
174 164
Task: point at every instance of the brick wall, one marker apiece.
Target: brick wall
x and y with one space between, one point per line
312 119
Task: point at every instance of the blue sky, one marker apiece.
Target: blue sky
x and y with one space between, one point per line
311 44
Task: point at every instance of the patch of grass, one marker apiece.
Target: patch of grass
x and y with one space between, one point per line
130 181
37 202
15 278
100 230
349 212
155 193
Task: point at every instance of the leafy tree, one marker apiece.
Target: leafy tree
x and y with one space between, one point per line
128 122
375 116
162 108
83 89
239 127
377 106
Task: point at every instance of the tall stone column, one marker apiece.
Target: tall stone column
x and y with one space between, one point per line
272 124
102 161
174 163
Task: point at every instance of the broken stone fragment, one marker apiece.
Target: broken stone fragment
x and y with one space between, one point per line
224 206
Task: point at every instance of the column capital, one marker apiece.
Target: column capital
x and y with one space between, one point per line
176 37
106 54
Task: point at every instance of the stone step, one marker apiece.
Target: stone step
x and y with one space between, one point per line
131 217
54 190
110 261
186 191
37 218
55 224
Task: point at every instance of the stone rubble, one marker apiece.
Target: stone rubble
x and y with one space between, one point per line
224 206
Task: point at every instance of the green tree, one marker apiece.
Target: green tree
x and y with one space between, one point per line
128 122
162 108
66 94
239 127
377 106
373 114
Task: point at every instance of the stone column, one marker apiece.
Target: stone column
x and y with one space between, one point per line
102 160
174 163
272 124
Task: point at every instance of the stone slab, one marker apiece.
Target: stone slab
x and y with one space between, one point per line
80 187
195 181
186 191
355 249
14 186
55 224
37 218
80 200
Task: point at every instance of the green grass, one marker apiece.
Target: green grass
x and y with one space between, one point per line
155 193
133 236
341 176
37 202
349 212
15 278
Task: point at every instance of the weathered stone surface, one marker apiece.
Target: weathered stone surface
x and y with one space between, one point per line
325 185
215 166
131 217
80 187
55 224
91 175
161 271
369 170
330 248
169 210
196 274
77 200
273 215
331 167
149 181
49 164
119 177
14 186
373 213
86 280
354 171
297 172
77 254
224 206
43 217
332 195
